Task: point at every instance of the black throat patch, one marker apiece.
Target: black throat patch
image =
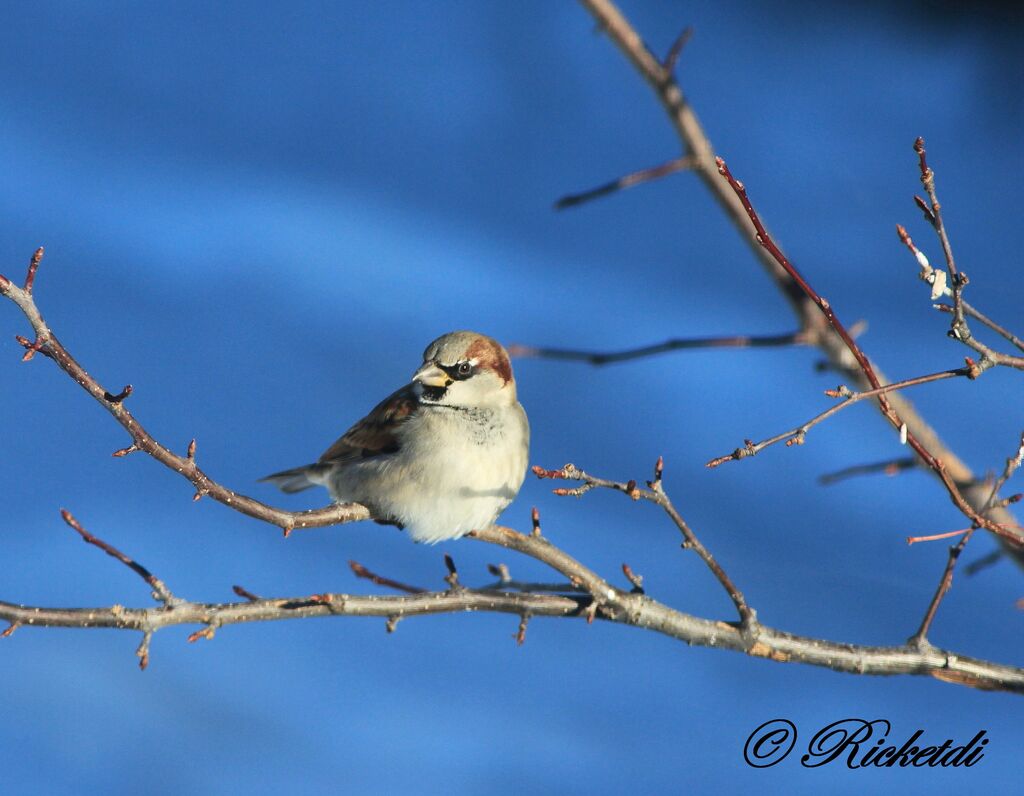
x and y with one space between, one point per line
433 394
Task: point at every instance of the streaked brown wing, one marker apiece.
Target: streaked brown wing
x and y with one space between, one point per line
375 433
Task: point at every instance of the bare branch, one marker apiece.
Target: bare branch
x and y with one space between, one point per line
637 610
951 470
959 329
795 436
656 494
47 343
887 408
603 602
978 316
920 638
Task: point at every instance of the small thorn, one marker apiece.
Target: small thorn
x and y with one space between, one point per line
241 591
669 64
521 632
142 652
452 578
632 577
500 571
540 472
30 347
33 264
206 632
119 398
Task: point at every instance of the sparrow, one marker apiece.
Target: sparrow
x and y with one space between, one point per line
441 456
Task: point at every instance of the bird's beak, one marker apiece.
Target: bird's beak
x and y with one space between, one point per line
430 375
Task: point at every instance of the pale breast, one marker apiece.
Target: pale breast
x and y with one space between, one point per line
457 470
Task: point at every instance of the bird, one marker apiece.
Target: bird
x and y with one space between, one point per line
440 457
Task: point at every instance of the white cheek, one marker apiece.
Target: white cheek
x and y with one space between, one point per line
480 390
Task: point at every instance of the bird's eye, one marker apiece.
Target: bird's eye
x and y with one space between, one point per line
464 369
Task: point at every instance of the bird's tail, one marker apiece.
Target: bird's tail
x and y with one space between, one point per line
298 478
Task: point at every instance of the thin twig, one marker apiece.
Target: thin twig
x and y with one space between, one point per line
627 181
984 319
605 358
957 280
795 436
160 590
959 329
920 638
362 572
889 467
656 494
935 537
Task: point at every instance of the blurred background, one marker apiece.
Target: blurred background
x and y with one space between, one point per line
260 213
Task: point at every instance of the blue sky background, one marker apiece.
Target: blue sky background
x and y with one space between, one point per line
258 214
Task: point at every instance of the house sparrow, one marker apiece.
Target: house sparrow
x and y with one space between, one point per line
441 456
